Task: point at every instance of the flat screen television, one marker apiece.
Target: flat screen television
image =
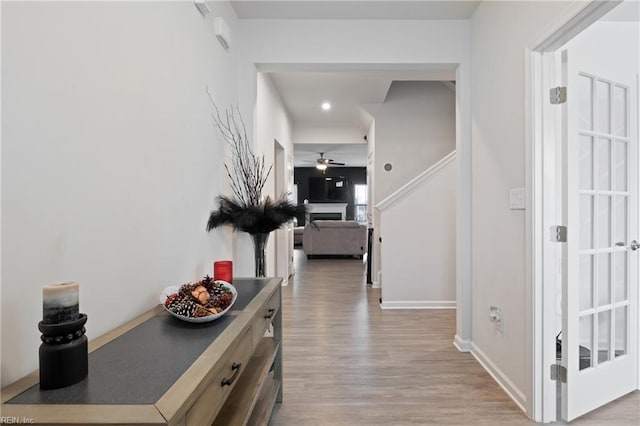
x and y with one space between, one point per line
328 189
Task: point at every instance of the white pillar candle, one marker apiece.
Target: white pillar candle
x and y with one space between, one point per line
60 302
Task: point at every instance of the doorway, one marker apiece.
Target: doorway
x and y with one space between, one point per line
585 219
282 170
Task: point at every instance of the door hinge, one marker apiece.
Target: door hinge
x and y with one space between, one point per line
559 234
558 95
558 373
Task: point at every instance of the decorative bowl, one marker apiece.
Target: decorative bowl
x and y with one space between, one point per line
175 289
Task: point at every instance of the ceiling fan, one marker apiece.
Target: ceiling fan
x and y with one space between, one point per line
322 163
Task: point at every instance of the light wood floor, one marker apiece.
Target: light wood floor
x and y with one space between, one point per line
347 362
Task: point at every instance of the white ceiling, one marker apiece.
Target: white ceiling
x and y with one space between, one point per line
359 9
349 92
304 92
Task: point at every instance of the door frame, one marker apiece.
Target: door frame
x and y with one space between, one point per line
543 179
280 186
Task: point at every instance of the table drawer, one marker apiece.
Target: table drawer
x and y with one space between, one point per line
264 317
224 378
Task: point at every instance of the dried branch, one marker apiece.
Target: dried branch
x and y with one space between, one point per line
247 172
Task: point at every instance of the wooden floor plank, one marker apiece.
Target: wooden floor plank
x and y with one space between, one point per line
347 362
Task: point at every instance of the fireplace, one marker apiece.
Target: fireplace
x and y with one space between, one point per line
331 211
325 216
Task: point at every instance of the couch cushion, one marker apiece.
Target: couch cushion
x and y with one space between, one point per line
336 224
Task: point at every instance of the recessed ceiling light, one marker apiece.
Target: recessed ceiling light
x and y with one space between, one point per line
326 106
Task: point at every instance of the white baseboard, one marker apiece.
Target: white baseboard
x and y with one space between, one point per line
507 385
419 304
375 284
462 345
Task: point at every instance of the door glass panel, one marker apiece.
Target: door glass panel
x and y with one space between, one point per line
620 224
604 106
586 336
586 281
620 127
621 276
586 222
604 279
604 221
586 162
604 336
621 330
604 164
586 103
620 165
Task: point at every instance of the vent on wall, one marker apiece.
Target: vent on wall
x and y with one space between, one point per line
202 7
223 33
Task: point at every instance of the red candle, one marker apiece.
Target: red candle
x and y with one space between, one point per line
223 270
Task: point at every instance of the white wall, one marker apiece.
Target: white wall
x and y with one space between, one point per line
415 128
272 123
419 245
500 33
295 44
110 161
304 134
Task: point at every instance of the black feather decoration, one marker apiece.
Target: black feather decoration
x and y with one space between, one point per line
260 219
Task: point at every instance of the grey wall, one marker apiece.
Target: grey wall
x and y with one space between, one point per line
415 128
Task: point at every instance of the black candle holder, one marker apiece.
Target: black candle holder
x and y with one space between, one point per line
64 358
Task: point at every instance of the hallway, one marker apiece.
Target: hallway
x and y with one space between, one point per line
347 362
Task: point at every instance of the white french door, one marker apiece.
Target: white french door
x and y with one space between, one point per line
600 283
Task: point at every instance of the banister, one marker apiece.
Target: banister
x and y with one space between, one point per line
415 182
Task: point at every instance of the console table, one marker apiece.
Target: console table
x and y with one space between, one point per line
158 370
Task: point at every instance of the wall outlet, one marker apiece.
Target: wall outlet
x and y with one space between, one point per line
516 199
495 315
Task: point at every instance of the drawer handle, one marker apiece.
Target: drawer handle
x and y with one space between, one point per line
270 314
236 370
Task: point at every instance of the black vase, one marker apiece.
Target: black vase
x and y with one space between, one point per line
259 253
63 353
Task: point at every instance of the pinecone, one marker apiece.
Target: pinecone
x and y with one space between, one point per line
207 281
186 308
172 300
223 301
218 289
187 288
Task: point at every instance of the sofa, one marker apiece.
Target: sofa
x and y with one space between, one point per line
335 237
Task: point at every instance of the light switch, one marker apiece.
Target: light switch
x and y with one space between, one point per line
516 199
